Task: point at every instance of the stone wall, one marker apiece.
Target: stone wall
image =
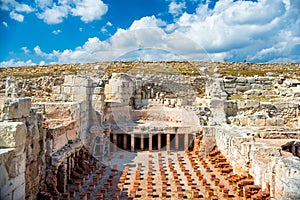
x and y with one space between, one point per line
264 162
12 160
255 113
22 150
38 88
239 85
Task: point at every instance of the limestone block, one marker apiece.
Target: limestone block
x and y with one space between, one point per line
56 89
251 122
12 185
59 97
251 80
241 105
16 108
252 104
71 134
78 97
69 80
271 121
287 178
12 134
16 165
82 81
257 87
260 122
67 90
229 85
19 192
241 80
3 176
243 121
81 90
280 121
262 78
59 142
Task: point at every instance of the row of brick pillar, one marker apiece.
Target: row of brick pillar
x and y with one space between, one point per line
142 137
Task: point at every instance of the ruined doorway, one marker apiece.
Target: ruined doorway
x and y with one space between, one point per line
181 142
128 145
155 142
120 141
172 142
146 142
163 141
137 142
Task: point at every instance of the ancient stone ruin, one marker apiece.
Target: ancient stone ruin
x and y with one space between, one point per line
150 130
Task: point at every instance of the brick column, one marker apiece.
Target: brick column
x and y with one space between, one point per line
115 142
125 141
132 142
168 143
150 142
142 141
186 141
176 141
159 141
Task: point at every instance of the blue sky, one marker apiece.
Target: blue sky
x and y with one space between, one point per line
68 31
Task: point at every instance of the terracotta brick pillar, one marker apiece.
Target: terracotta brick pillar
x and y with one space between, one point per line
132 143
159 141
142 141
168 143
150 142
186 141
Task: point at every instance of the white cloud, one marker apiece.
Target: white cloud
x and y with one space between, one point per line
54 15
235 30
16 16
15 9
56 32
147 22
13 63
175 45
5 24
23 8
239 29
104 28
12 5
25 50
109 24
37 50
43 3
176 8
89 10
42 62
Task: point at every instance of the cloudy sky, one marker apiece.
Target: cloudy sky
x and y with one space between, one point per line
67 31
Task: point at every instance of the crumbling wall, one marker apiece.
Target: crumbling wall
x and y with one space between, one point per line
38 88
256 113
240 84
12 160
265 163
22 146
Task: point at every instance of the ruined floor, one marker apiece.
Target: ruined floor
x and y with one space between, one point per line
162 175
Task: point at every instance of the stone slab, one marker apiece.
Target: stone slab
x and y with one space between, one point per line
12 134
16 108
